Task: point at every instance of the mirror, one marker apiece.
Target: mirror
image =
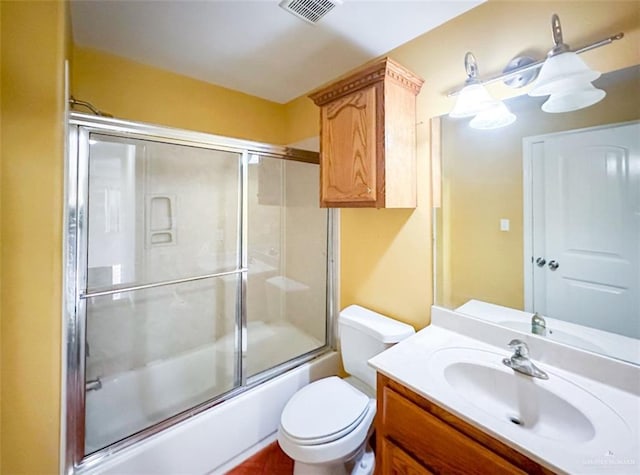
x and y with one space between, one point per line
544 216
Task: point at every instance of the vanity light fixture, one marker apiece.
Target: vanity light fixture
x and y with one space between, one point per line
565 77
474 100
562 76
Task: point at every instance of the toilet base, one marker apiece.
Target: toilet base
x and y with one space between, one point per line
300 468
362 464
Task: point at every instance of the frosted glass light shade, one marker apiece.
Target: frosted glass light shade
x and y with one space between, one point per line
472 100
561 73
493 118
573 100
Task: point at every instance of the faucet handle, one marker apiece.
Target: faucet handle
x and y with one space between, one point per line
519 347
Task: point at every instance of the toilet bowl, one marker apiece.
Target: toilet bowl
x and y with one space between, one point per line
325 426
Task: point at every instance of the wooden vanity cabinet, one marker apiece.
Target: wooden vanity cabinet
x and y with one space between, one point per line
368 138
417 437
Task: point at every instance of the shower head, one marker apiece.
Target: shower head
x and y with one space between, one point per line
76 102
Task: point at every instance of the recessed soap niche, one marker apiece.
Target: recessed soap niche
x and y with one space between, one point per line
160 221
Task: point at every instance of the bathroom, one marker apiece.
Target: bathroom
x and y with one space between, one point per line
389 270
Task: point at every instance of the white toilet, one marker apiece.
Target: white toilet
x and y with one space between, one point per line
326 425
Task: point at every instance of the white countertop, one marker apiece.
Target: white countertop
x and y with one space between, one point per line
614 450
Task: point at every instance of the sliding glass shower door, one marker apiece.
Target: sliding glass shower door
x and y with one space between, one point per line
197 267
287 262
163 282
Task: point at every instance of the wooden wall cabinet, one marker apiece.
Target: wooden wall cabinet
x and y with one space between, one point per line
368 138
417 437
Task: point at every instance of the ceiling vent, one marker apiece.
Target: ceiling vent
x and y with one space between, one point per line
309 10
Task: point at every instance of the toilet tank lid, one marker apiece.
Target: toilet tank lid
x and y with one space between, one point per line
385 329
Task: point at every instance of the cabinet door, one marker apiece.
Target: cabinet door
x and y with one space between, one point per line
436 444
396 461
349 150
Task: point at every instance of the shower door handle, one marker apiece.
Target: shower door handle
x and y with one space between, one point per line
93 385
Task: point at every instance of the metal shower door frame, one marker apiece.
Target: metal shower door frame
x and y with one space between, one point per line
75 277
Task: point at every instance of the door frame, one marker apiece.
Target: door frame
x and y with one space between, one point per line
531 148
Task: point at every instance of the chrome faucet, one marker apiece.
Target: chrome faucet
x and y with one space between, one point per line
520 361
538 325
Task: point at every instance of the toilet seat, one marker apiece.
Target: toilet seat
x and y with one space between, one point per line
323 411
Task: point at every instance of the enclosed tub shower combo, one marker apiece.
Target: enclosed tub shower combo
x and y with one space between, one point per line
197 267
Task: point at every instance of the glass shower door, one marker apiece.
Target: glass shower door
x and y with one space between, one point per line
163 282
196 266
287 266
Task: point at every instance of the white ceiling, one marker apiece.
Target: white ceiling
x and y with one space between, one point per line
254 46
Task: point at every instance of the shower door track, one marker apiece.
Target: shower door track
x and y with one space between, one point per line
73 459
188 137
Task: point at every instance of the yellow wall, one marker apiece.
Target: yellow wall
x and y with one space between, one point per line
33 49
386 254
302 120
0 237
134 91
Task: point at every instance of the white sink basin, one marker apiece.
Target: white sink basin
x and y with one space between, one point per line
554 409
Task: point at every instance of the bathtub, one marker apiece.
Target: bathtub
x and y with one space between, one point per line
133 400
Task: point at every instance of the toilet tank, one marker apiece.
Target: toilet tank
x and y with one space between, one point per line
364 334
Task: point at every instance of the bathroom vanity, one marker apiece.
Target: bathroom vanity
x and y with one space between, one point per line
415 436
449 401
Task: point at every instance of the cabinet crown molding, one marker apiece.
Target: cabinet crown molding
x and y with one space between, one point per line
378 71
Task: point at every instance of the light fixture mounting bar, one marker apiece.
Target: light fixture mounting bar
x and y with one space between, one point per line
538 64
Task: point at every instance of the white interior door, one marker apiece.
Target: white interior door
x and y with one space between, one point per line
586 227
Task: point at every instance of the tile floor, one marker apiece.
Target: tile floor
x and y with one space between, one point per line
269 461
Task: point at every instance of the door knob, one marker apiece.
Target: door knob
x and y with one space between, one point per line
540 261
553 265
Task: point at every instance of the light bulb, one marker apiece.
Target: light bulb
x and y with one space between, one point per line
573 100
495 117
562 73
472 100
